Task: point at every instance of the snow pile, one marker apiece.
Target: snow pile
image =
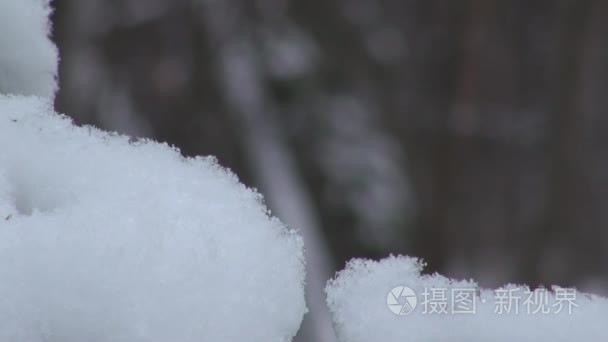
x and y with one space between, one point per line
106 240
362 299
28 59
109 240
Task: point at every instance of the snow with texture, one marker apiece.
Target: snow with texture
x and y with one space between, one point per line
107 239
357 298
28 59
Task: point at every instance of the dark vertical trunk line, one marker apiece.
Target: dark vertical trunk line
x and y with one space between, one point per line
565 141
433 244
461 122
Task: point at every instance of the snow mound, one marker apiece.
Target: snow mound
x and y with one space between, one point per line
28 59
368 302
107 239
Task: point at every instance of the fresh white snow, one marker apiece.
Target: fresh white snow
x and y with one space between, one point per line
28 59
360 295
104 238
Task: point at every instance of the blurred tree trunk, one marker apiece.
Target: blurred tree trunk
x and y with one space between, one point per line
242 77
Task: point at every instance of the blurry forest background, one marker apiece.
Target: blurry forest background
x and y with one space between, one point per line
469 133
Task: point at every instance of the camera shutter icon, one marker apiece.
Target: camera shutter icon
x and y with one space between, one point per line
401 300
